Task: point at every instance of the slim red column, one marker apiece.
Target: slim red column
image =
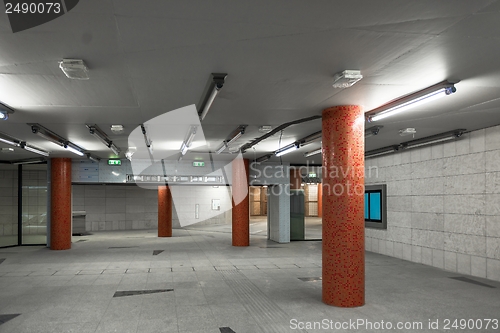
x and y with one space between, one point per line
164 212
320 200
60 204
295 179
241 203
343 207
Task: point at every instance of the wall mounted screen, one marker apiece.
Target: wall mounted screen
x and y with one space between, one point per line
375 206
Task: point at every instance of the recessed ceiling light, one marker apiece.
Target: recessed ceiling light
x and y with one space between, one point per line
74 69
346 78
265 128
116 129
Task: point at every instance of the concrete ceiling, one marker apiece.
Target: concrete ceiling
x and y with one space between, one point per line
147 58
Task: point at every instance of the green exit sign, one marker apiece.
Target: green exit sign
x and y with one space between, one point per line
198 164
312 175
114 162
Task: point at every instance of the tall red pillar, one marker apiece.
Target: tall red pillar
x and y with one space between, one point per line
295 179
320 200
164 212
241 203
60 204
343 207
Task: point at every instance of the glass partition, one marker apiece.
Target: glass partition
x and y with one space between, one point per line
34 204
8 205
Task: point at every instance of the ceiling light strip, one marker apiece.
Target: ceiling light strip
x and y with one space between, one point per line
312 153
404 103
216 84
56 139
450 135
99 134
287 149
34 150
381 151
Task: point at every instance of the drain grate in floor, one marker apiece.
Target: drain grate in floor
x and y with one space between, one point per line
6 317
311 279
140 292
82 240
464 279
157 252
271 247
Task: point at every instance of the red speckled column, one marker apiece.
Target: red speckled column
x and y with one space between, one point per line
164 212
60 204
320 200
295 179
241 208
343 207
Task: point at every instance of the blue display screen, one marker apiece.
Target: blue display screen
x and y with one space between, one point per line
373 206
367 207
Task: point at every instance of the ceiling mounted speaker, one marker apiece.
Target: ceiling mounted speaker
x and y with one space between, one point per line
74 69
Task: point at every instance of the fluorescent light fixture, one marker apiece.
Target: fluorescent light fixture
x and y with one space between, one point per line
46 134
346 78
221 148
216 84
234 138
99 134
263 158
55 139
147 140
287 149
9 140
313 152
418 98
236 134
29 161
192 134
382 151
114 149
73 150
93 158
446 136
33 149
74 69
184 148
311 138
6 150
372 131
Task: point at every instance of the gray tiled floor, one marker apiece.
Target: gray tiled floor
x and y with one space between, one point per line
254 289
